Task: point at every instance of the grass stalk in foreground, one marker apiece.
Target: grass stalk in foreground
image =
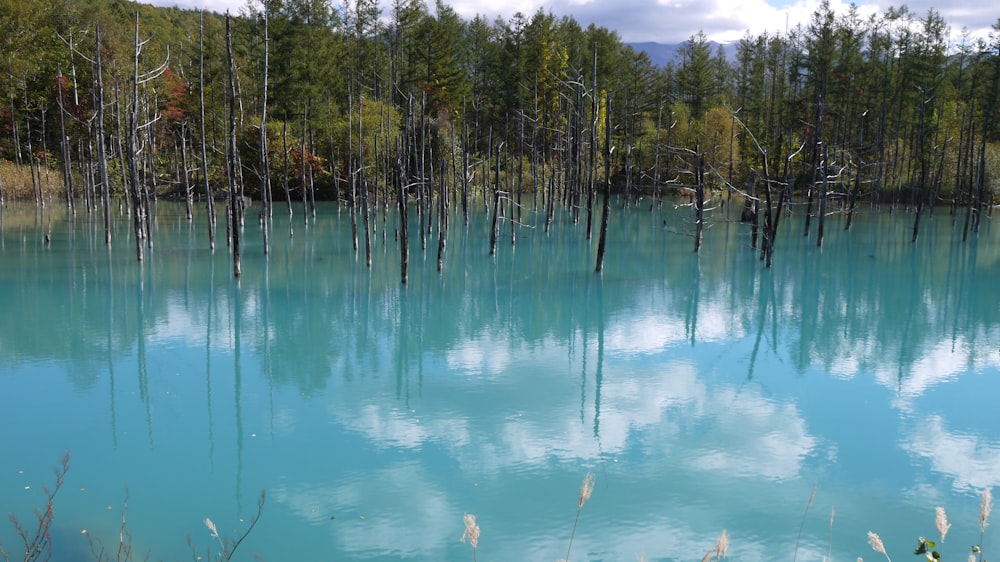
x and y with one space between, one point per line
812 496
586 489
229 546
985 507
719 551
38 542
927 547
877 545
471 533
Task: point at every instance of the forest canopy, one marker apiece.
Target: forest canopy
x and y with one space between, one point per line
891 106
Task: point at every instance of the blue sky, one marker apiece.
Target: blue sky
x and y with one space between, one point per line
673 21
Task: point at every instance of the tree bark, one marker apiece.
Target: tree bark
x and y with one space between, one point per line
209 196
234 203
102 157
606 207
404 237
265 160
699 203
133 141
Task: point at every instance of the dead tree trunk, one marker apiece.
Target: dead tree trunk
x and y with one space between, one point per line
822 195
234 203
699 194
102 157
465 172
265 160
592 149
209 196
302 166
404 245
351 176
816 156
856 188
606 206
185 177
768 242
133 141
365 213
284 173
64 147
149 175
36 187
922 162
442 218
495 230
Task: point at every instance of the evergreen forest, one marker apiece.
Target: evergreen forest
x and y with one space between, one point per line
110 103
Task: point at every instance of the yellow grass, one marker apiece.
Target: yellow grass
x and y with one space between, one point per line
16 182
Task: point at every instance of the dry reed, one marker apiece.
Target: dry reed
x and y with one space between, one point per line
37 540
228 546
720 550
833 514
471 533
17 185
802 525
877 546
586 489
985 507
941 522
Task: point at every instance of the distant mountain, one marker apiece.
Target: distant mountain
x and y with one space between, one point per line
662 53
659 53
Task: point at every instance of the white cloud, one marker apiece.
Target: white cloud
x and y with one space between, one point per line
484 354
733 431
374 513
674 21
972 461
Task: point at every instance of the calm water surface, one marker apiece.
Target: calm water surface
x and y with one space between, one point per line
703 391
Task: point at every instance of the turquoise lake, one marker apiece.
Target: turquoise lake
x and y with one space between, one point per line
703 391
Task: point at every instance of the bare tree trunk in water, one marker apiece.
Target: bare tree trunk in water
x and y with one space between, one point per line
404 244
364 210
766 243
465 171
606 206
188 188
822 196
699 192
812 184
36 188
284 173
234 203
302 167
64 148
265 160
922 160
150 185
45 158
102 157
442 218
495 229
592 150
751 209
133 141
351 176
980 182
786 189
857 173
120 130
209 196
